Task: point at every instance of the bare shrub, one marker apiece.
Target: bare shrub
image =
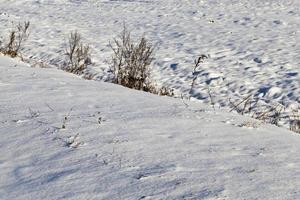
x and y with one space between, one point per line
16 38
78 54
131 62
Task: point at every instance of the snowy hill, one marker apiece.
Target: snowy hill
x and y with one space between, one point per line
63 137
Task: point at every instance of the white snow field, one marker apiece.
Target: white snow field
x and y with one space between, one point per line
254 45
63 137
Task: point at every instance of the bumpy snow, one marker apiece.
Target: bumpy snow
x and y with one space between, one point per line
63 137
254 45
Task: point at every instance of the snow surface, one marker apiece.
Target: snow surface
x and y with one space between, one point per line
254 45
63 137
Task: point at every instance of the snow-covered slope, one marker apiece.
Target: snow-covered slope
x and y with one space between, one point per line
254 45
62 137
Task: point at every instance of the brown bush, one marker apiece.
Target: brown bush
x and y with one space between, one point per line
131 62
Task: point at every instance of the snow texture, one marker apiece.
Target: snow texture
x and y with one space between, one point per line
63 137
253 45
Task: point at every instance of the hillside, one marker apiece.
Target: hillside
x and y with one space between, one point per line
63 137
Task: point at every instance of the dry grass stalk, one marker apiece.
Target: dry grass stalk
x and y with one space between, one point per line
197 62
16 39
268 113
295 121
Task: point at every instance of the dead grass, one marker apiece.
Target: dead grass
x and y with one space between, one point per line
16 39
295 121
271 113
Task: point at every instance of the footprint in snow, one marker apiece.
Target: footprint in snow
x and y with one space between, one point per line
154 171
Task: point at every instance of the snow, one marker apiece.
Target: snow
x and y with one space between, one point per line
251 43
63 137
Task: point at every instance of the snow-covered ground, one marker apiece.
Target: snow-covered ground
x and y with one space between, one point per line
254 45
63 137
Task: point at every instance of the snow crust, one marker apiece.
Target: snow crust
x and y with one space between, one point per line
62 137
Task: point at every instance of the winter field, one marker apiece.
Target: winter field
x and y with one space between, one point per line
65 137
253 45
